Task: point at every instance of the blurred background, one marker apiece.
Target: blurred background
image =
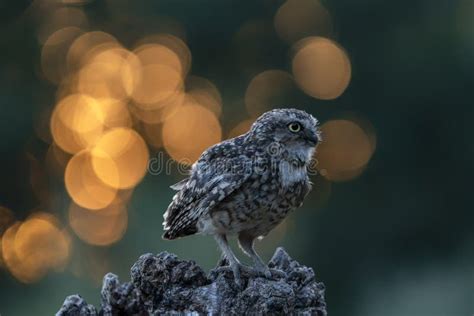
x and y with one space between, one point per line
105 103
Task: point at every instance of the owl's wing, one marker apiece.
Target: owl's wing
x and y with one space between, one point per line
219 172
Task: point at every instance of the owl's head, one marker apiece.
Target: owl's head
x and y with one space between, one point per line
294 129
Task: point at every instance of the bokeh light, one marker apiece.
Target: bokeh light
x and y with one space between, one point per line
156 54
175 44
205 93
61 17
190 131
10 258
101 228
267 90
120 158
115 113
87 45
157 84
83 184
32 248
54 53
77 122
158 113
345 150
41 243
321 68
111 73
297 19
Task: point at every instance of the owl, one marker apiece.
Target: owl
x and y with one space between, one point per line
247 185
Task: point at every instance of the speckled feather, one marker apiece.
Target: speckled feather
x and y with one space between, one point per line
247 184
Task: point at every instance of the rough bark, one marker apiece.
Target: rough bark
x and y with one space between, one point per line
163 284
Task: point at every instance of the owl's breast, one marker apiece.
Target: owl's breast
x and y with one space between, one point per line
260 204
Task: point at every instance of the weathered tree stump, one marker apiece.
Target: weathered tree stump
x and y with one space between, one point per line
163 284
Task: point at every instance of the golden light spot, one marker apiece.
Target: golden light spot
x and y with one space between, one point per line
86 45
176 44
54 51
129 155
84 186
157 84
321 68
189 132
155 54
30 249
241 128
158 113
205 93
268 89
99 80
100 228
115 113
77 122
112 73
11 260
60 18
345 150
297 19
41 244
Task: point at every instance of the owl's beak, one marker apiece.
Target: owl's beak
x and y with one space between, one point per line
312 138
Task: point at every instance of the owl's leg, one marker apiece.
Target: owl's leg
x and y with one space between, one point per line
246 244
235 265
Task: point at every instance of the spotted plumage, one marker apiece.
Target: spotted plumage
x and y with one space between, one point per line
247 185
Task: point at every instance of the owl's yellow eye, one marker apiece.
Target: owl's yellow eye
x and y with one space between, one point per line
294 127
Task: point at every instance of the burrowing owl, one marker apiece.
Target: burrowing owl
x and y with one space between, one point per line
247 185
